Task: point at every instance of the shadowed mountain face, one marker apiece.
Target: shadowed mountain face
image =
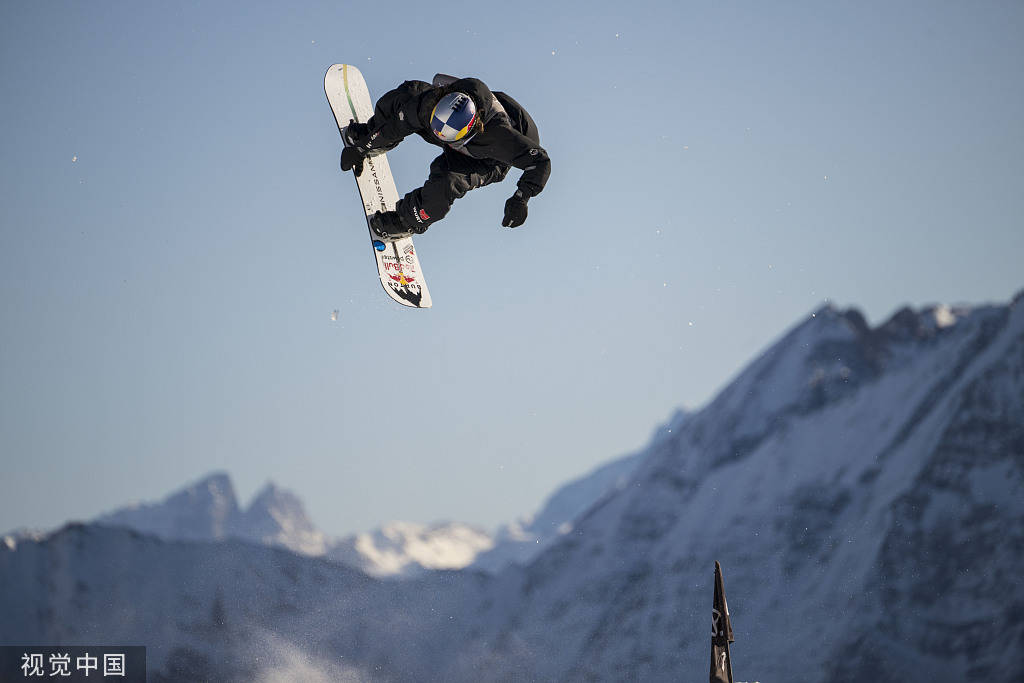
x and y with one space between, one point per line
860 486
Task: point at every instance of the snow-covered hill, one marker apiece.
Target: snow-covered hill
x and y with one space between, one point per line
860 486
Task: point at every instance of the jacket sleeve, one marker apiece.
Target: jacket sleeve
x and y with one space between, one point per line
397 115
536 168
509 146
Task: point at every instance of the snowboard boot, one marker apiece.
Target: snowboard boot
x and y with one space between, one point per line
388 226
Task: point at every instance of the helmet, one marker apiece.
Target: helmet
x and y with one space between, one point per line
453 118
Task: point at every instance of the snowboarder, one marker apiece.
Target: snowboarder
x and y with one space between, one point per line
483 134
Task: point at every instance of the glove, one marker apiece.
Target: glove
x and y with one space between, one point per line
352 158
354 153
515 210
358 135
355 133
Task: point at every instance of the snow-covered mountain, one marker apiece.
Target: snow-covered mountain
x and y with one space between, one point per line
204 511
228 611
860 486
403 549
208 510
518 542
277 517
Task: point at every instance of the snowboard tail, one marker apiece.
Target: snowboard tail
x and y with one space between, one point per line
398 264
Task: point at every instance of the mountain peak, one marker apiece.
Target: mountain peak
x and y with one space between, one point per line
216 480
278 517
204 510
271 494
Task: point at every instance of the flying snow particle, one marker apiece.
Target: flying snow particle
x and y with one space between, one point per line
552 52
74 158
334 315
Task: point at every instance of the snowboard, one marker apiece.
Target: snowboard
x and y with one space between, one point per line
397 263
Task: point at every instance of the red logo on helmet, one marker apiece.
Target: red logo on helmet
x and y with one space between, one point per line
424 215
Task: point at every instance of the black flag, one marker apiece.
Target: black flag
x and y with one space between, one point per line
721 633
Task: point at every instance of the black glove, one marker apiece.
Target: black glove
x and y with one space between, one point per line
355 133
358 135
515 210
352 158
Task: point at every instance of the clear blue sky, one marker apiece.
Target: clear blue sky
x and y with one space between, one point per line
176 233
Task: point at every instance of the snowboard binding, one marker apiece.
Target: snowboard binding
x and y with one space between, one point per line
387 227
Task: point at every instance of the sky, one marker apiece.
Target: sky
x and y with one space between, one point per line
175 234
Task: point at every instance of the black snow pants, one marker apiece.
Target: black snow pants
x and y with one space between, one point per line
452 175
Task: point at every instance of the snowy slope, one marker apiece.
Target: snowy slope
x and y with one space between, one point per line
520 541
861 487
229 611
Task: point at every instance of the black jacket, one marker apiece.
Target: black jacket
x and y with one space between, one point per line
509 135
